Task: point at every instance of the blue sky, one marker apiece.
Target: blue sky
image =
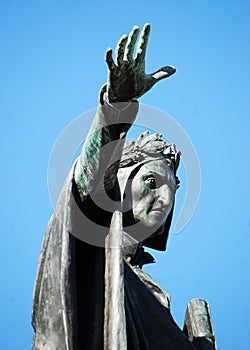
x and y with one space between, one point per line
52 66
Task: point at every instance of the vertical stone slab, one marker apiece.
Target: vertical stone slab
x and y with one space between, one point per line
114 313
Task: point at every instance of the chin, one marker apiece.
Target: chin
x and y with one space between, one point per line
156 226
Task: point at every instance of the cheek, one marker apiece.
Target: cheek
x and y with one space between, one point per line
142 200
142 206
142 196
139 190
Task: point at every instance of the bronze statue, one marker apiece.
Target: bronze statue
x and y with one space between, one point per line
91 291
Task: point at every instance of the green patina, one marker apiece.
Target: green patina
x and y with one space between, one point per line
90 155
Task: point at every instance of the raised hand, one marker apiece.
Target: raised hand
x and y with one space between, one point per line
127 80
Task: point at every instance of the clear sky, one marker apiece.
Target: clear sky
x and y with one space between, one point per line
52 66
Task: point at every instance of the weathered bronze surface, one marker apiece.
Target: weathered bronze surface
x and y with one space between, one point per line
91 291
198 325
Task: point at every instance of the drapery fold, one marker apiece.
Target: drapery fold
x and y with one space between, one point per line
69 294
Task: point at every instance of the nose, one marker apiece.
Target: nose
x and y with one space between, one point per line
164 196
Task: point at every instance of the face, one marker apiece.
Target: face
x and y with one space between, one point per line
153 191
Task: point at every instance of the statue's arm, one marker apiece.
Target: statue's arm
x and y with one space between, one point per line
103 145
127 81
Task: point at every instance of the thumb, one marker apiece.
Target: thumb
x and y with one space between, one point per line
163 73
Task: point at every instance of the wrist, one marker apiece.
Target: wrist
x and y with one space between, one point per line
117 105
120 103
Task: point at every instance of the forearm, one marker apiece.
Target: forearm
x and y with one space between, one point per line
111 123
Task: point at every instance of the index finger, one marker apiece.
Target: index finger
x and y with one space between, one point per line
109 59
142 44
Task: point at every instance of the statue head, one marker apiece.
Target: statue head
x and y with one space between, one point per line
145 195
148 181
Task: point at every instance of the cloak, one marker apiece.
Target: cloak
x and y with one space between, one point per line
68 303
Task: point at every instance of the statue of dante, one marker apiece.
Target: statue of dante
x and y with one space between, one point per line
136 179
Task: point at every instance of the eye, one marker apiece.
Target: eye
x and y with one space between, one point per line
150 182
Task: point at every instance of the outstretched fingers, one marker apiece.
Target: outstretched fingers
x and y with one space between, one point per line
129 50
125 48
120 48
109 59
142 44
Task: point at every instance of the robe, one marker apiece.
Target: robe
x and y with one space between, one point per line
68 303
68 306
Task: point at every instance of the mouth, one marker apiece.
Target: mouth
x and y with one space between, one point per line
159 209
159 213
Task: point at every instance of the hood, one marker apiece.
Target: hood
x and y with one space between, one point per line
155 241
